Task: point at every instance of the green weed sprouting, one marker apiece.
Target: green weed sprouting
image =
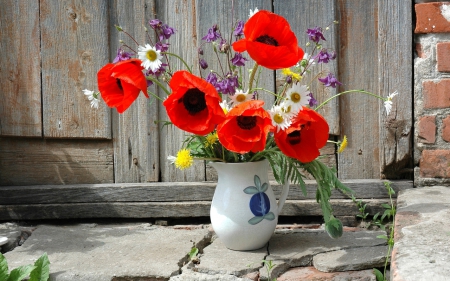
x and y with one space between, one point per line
40 271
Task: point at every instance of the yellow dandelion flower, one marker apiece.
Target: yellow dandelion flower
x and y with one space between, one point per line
184 159
288 72
211 139
343 145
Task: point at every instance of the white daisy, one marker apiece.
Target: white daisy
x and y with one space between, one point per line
225 106
388 102
280 119
171 159
253 12
93 97
240 97
151 58
297 96
288 110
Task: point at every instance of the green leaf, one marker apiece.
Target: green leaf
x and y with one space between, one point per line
386 206
378 275
257 182
42 270
269 216
3 268
334 228
264 187
255 220
382 237
192 254
251 190
18 274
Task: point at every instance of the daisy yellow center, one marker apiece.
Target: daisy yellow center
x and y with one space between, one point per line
287 109
296 97
240 98
151 55
184 159
278 118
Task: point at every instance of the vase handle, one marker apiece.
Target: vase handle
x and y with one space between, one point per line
284 194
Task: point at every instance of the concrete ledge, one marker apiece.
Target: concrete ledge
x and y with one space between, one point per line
422 235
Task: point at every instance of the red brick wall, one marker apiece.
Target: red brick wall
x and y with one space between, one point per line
432 93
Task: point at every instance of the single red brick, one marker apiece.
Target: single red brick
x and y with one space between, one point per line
446 129
435 164
419 50
432 17
427 129
443 56
436 94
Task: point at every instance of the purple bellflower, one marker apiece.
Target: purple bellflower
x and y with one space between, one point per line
330 81
315 34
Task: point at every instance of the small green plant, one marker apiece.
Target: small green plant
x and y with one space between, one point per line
389 213
38 272
361 207
193 253
268 265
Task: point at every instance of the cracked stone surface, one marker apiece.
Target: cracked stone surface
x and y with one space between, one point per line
108 252
297 248
351 259
16 235
217 259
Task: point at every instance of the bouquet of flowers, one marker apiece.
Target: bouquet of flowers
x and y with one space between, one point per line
226 120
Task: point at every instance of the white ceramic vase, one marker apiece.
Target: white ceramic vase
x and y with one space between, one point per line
244 211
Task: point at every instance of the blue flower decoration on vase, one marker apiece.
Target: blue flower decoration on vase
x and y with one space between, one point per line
259 203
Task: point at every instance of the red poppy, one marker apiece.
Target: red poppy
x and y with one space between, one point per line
120 83
193 105
270 41
303 139
245 128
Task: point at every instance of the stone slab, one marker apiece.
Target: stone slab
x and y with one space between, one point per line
422 235
130 251
297 247
291 248
312 274
217 259
351 259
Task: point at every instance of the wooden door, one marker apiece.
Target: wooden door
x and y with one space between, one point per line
50 136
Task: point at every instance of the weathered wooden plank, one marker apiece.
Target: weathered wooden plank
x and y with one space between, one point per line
169 192
322 14
165 210
20 70
46 161
73 42
358 69
395 74
136 136
181 15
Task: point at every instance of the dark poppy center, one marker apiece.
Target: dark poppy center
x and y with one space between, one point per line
266 39
293 138
246 122
119 84
194 101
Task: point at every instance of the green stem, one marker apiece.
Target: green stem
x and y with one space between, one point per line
187 66
265 90
348 92
252 76
160 85
209 158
